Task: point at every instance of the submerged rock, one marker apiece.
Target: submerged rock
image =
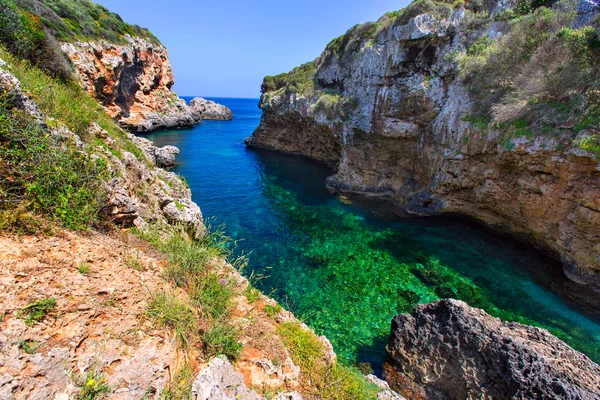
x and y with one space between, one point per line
453 351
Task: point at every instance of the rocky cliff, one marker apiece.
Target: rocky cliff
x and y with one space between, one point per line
123 66
463 108
453 351
133 82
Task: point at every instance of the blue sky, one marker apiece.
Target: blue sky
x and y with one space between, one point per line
225 48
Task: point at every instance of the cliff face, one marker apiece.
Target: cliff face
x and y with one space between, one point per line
405 111
133 82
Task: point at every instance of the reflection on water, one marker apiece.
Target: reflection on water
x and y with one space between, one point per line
345 271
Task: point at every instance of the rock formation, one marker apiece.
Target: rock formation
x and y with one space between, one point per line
457 352
133 82
208 109
387 106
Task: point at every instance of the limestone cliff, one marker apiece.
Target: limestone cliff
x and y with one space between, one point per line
133 82
445 109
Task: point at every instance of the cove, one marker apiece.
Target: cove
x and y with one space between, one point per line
347 269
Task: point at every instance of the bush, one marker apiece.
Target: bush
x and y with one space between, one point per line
36 312
542 72
171 312
92 387
222 339
23 34
210 292
70 20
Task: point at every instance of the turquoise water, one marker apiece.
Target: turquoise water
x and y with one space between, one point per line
348 269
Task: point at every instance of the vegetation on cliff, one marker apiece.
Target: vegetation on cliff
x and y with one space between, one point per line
541 78
30 30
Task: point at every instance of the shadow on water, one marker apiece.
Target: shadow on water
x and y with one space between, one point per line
347 269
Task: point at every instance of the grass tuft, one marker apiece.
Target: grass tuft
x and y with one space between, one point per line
171 312
326 380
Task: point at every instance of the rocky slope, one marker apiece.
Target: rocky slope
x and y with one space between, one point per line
99 327
453 351
133 81
411 109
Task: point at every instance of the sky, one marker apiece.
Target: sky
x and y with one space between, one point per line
225 48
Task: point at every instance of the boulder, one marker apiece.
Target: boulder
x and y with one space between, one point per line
453 351
218 381
207 109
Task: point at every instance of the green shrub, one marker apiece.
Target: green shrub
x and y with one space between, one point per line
212 294
273 83
37 311
540 75
84 268
23 34
29 346
210 291
222 339
180 386
272 311
252 294
71 20
47 176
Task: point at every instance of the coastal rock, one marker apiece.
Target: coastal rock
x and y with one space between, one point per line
394 118
207 109
458 352
162 157
219 381
133 82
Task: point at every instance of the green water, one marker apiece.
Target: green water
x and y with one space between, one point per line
346 270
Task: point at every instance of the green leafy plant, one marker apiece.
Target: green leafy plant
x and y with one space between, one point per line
272 311
222 339
84 268
134 262
327 380
29 346
37 311
180 387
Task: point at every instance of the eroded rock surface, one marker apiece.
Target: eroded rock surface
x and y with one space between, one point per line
394 118
219 381
458 352
133 82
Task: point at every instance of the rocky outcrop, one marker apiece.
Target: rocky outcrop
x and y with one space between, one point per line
457 352
133 82
219 381
392 114
208 109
